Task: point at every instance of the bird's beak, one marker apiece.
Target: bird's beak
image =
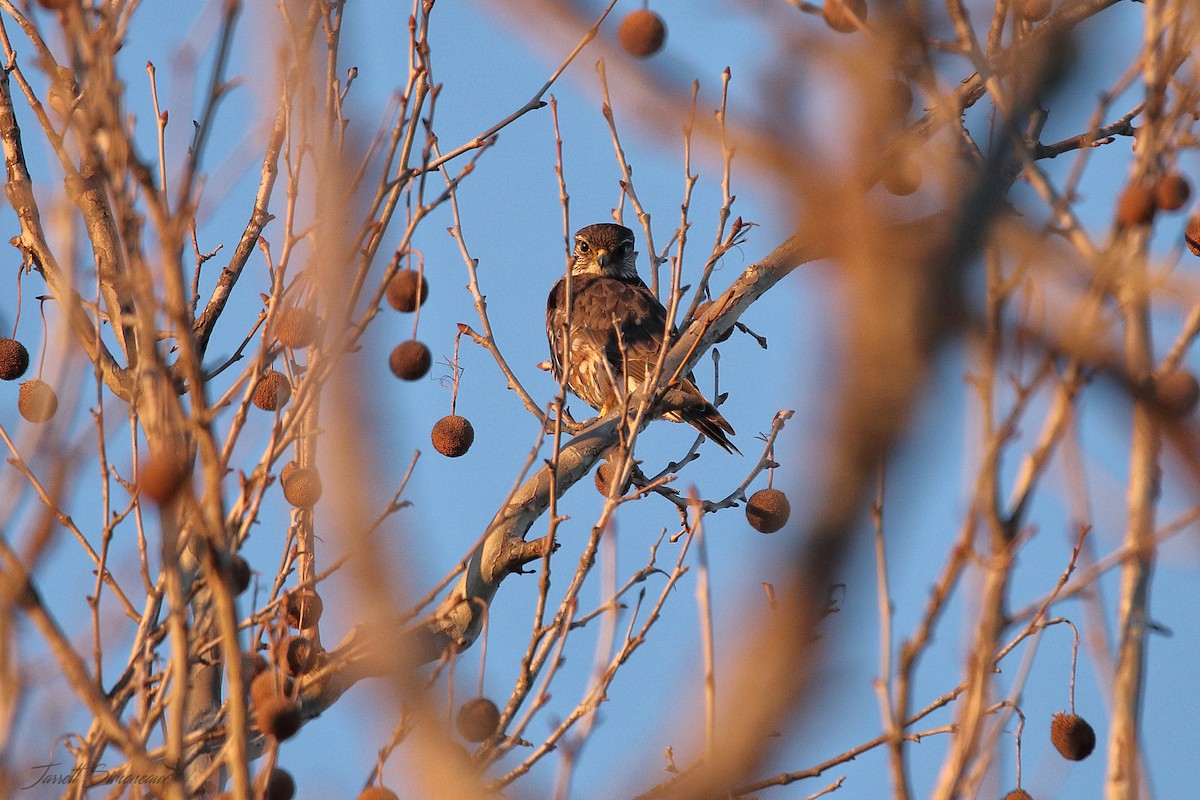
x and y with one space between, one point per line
602 259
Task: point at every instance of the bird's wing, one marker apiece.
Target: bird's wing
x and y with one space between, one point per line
556 329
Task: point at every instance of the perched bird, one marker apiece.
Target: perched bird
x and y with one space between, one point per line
617 328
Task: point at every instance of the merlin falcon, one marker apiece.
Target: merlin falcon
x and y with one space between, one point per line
616 335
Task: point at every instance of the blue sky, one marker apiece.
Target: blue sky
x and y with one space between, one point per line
491 61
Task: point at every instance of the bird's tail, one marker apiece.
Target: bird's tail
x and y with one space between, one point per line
692 408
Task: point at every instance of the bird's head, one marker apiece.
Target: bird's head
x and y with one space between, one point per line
605 249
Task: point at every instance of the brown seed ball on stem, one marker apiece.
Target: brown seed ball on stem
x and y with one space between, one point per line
642 33
300 654
161 478
273 390
378 793
266 686
478 719
1072 736
1171 192
1135 206
407 290
36 401
1018 794
14 359
603 477
1176 392
902 174
768 510
410 360
452 436
837 14
1033 10
302 487
280 718
238 575
1191 234
304 609
279 785
296 327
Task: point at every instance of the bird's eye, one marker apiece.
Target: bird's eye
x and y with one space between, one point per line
583 247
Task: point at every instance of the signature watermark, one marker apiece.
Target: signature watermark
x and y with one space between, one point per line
98 776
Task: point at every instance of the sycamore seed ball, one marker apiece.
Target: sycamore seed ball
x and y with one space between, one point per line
478 719
161 478
1135 206
280 718
238 576
1072 736
410 360
1171 192
302 487
1191 234
296 327
36 401
273 390
304 609
452 436
768 510
602 477
378 793
642 33
407 290
902 175
265 686
1177 392
1018 794
280 785
301 655
837 14
1033 10
14 359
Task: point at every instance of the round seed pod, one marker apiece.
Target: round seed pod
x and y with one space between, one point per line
265 687
1072 736
304 608
378 793
1176 392
273 390
300 654
296 327
280 718
1033 10
768 510
279 785
14 359
302 487
602 477
902 174
161 478
407 290
1191 234
1135 206
410 360
478 720
288 470
642 33
238 575
253 665
1171 192
837 14
36 401
452 436
1018 794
